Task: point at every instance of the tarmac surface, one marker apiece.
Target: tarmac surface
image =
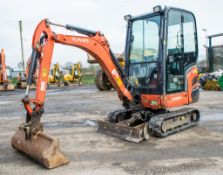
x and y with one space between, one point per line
70 115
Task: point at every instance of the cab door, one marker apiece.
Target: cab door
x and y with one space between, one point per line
181 55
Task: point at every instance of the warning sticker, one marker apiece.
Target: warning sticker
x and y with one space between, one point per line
44 72
43 86
117 77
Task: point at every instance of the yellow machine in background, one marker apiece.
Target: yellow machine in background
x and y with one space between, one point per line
5 84
56 76
74 77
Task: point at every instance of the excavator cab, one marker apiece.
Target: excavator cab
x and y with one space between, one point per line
161 48
161 53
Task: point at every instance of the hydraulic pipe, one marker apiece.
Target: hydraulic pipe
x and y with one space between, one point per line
74 28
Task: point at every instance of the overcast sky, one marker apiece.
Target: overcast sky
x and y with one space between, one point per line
103 15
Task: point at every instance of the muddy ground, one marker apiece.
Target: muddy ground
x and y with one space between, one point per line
69 116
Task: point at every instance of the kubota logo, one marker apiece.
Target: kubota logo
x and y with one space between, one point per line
80 40
176 98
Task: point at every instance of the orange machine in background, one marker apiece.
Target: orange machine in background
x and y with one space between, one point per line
5 84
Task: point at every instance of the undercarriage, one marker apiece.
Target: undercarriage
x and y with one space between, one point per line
136 125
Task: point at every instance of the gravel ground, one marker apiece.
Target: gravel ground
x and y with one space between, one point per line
70 114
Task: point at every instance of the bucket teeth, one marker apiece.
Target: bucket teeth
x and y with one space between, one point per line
42 148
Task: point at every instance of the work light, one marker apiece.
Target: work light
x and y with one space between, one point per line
157 9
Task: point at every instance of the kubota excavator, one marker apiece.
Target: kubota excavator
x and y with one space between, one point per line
5 84
160 73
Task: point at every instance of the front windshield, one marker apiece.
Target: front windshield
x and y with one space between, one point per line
144 50
145 40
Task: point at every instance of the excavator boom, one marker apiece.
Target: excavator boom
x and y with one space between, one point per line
96 45
30 133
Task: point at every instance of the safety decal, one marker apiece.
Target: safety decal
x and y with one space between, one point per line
154 102
43 86
44 72
117 77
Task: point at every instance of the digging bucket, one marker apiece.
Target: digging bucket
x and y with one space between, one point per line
42 148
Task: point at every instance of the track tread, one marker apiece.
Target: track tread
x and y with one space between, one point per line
156 122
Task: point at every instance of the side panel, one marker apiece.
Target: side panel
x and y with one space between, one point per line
151 101
174 100
164 101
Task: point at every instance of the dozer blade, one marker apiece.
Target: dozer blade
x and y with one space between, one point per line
42 148
134 134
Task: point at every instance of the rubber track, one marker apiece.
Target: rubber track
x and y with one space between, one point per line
155 123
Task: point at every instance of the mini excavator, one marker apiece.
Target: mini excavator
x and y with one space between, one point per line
5 84
74 77
160 73
55 77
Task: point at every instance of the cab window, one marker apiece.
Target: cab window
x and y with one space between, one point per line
181 48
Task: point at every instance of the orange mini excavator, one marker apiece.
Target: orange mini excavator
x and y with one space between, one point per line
5 84
160 73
